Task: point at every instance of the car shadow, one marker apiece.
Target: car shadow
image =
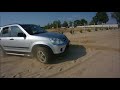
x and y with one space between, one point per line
71 54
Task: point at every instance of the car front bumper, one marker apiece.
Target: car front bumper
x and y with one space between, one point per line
60 48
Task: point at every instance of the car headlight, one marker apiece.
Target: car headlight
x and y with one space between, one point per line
56 41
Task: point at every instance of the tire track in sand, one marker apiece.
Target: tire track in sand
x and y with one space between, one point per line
83 60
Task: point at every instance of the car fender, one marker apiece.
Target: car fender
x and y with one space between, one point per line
41 43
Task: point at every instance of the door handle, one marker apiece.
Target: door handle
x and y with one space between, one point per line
11 39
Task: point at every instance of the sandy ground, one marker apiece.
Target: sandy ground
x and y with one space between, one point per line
91 55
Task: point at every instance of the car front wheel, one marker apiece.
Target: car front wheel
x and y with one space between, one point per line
43 54
2 52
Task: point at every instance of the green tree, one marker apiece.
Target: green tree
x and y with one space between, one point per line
47 26
65 24
70 23
91 22
101 17
59 23
94 21
51 25
83 21
76 23
116 15
56 24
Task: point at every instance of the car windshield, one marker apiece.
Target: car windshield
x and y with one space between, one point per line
33 29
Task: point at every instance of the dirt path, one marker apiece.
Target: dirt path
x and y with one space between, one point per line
92 54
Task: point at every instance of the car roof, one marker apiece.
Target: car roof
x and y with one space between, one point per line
9 25
15 24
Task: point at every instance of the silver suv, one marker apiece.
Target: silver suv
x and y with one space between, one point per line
30 39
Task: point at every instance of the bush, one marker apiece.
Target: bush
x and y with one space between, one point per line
71 31
96 29
81 31
89 30
106 28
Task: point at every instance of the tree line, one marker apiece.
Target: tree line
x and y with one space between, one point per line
99 18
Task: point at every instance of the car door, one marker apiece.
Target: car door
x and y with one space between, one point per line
5 37
17 42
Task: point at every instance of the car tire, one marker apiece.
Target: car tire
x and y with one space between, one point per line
2 52
43 54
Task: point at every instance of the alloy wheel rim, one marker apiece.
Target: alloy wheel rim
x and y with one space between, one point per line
41 56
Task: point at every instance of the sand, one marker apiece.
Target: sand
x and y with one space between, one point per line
93 54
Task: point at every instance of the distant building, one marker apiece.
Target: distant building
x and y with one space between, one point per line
71 27
100 26
63 27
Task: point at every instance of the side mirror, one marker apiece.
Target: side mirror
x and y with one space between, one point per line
21 35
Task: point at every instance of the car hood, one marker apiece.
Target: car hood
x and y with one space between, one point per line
51 35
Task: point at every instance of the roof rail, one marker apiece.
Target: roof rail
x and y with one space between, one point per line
9 24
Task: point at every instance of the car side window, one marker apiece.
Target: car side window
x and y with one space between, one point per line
15 30
5 32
